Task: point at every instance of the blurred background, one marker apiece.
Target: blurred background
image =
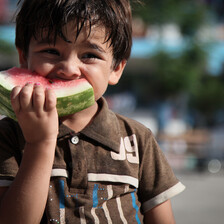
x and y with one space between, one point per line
174 84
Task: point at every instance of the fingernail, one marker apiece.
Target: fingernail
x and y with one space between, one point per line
37 84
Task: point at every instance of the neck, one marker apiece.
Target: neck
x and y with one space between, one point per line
81 119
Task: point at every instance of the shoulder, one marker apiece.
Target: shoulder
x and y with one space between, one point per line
132 126
120 124
117 128
132 123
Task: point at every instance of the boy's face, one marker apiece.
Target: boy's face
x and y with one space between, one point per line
87 57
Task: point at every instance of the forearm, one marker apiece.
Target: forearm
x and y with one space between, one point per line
26 198
161 214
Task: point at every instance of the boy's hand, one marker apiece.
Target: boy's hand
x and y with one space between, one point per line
35 109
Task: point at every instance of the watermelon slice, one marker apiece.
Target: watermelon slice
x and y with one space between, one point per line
72 95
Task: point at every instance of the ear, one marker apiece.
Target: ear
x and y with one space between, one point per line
116 73
22 58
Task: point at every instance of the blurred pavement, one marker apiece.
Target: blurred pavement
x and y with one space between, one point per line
202 202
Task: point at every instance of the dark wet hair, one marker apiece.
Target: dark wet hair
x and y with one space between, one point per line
38 16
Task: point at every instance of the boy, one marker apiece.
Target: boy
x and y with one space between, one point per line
93 166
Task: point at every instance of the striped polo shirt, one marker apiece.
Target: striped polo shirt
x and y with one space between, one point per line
113 171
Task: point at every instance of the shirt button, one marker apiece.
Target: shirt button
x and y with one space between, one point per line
75 140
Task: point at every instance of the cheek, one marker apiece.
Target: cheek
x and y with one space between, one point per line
40 68
99 88
96 74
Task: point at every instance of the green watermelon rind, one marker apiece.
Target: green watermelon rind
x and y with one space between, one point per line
4 99
65 105
5 104
75 103
7 111
5 95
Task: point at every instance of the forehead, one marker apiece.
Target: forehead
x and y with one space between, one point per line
72 32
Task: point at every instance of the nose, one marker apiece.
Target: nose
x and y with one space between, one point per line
69 69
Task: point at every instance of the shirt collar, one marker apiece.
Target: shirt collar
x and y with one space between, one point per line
104 128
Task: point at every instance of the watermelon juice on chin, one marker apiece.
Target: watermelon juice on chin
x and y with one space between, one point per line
72 96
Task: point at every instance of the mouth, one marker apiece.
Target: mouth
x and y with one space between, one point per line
53 78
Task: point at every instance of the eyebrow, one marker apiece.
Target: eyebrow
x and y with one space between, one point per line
93 46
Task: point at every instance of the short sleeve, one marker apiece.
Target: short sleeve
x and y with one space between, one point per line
157 180
11 146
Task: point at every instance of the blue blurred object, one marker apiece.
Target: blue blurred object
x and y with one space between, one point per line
7 34
145 47
216 58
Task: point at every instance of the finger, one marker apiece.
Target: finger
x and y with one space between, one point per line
25 97
38 98
50 99
15 98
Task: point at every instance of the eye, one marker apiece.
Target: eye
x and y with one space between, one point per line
51 51
90 56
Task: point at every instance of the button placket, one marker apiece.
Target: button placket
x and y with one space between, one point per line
79 166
